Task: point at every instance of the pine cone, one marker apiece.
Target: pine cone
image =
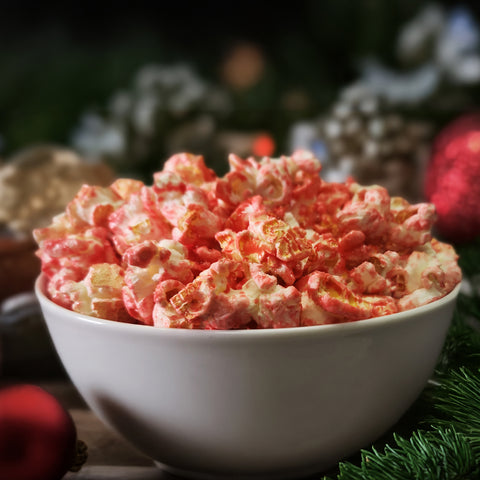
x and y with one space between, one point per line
367 139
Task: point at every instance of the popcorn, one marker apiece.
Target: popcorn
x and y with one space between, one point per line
411 223
429 272
270 241
197 225
124 187
99 294
269 245
367 211
62 250
164 314
271 305
93 206
147 264
134 222
190 168
331 294
214 300
368 280
276 180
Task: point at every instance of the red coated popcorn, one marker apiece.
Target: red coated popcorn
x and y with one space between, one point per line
215 299
147 264
98 294
269 245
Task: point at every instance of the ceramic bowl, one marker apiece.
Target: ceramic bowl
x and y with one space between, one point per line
250 403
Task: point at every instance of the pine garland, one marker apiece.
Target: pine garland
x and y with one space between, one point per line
456 402
439 454
444 441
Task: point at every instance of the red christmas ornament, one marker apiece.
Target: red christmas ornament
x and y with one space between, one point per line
452 179
38 439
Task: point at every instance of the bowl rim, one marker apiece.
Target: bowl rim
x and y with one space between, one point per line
343 328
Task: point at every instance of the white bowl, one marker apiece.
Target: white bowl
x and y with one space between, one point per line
250 403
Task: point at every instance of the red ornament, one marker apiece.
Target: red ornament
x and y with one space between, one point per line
263 145
452 179
37 435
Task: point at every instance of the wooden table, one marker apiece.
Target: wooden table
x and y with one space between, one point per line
109 456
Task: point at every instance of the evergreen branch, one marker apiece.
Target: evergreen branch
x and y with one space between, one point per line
440 454
456 402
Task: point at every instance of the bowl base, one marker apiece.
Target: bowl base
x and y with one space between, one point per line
189 474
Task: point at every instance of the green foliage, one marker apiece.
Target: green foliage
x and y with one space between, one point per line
440 454
456 402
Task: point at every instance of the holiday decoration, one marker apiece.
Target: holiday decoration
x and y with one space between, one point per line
452 179
167 107
363 137
38 439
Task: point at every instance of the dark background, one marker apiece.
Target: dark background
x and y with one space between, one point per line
58 58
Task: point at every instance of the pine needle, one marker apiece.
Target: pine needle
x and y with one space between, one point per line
456 402
436 455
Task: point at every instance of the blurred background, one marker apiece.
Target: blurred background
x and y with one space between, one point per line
132 82
90 91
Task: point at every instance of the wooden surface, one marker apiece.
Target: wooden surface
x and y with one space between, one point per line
109 456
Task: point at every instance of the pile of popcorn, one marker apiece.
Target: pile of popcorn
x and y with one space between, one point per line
268 245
